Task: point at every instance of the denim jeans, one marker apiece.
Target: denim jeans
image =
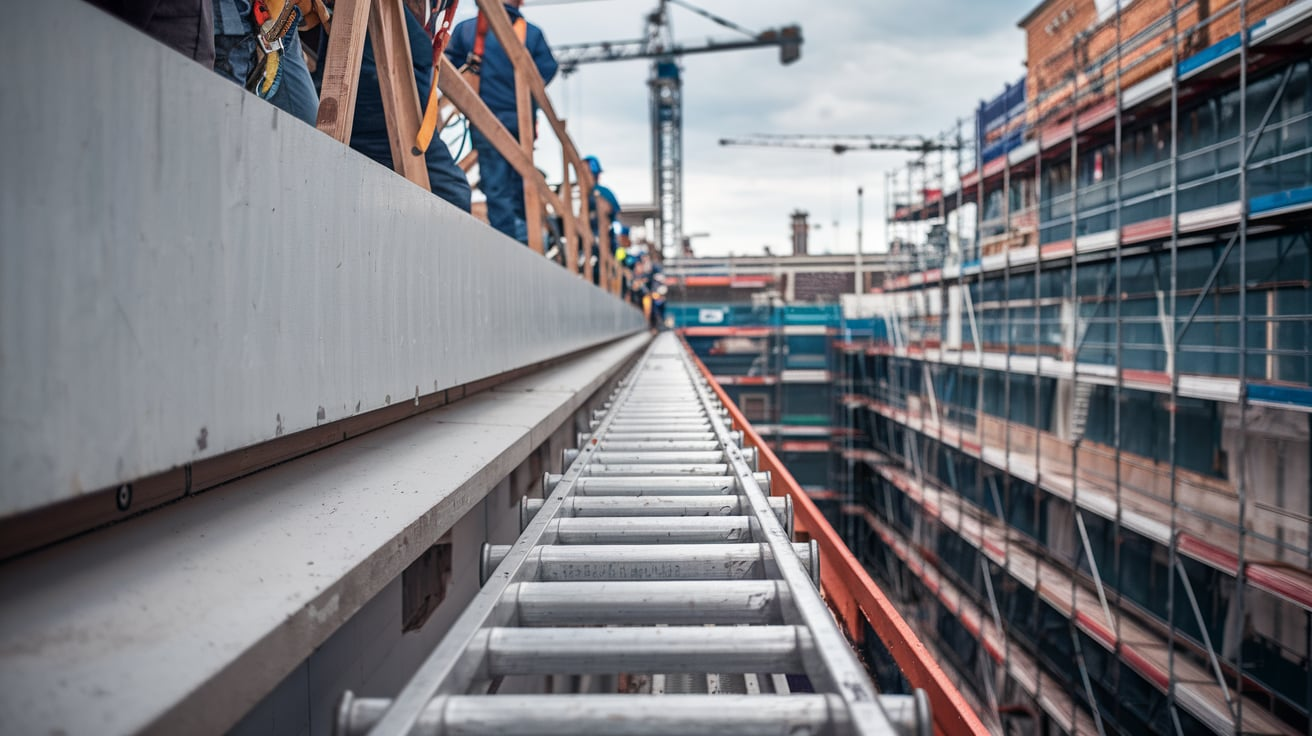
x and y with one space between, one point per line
503 187
234 58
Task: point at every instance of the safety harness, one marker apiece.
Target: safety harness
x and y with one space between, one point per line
474 63
441 33
276 21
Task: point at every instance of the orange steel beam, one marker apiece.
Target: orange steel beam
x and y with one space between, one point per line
850 591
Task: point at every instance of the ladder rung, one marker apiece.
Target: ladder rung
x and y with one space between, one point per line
657 530
676 469
687 602
609 457
584 438
655 506
663 485
648 562
631 715
710 453
660 446
665 649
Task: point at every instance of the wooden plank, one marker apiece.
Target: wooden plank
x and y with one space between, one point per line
606 261
585 219
464 97
396 80
342 69
567 217
532 204
501 27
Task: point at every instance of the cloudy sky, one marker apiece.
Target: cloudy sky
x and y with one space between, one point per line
867 66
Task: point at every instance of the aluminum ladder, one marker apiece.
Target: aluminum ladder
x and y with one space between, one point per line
658 564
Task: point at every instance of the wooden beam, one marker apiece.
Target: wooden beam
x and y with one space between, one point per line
606 259
567 217
465 98
585 219
467 161
396 79
532 204
501 27
342 69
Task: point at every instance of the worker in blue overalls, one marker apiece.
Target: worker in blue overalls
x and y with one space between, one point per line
474 47
604 194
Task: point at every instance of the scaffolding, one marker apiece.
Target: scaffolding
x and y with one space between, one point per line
1082 448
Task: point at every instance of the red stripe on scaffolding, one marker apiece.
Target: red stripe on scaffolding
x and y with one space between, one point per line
1286 582
726 331
1158 227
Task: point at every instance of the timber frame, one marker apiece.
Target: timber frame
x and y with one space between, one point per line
384 21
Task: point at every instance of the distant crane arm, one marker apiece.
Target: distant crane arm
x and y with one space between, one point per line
788 39
844 143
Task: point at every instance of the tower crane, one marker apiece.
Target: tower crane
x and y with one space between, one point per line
665 90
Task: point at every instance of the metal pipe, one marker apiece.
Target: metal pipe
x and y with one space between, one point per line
570 715
657 447
672 469
660 485
655 506
643 426
665 649
607 457
644 456
648 562
683 602
661 530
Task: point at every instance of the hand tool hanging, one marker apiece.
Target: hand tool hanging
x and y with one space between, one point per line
276 21
440 30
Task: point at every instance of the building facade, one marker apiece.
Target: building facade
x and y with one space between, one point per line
1080 453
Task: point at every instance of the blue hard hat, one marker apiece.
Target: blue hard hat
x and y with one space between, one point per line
593 164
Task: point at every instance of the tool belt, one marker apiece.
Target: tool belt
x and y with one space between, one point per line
275 23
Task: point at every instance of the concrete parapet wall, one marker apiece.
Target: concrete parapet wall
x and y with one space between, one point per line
186 271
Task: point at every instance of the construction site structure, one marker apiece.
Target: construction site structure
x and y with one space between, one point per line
1079 441
291 445
840 144
665 85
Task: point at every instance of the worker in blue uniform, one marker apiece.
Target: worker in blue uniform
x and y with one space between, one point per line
601 194
473 44
369 131
604 194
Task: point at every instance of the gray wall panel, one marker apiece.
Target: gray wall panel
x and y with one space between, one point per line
185 270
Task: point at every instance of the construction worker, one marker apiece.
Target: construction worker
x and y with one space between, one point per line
605 195
239 56
369 132
600 194
658 308
187 26
479 51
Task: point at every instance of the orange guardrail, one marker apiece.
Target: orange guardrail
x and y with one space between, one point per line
851 593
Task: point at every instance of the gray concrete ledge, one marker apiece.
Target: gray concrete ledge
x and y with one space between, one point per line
186 271
181 620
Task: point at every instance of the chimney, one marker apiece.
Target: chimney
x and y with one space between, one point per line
800 229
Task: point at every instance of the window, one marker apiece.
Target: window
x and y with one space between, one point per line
756 406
